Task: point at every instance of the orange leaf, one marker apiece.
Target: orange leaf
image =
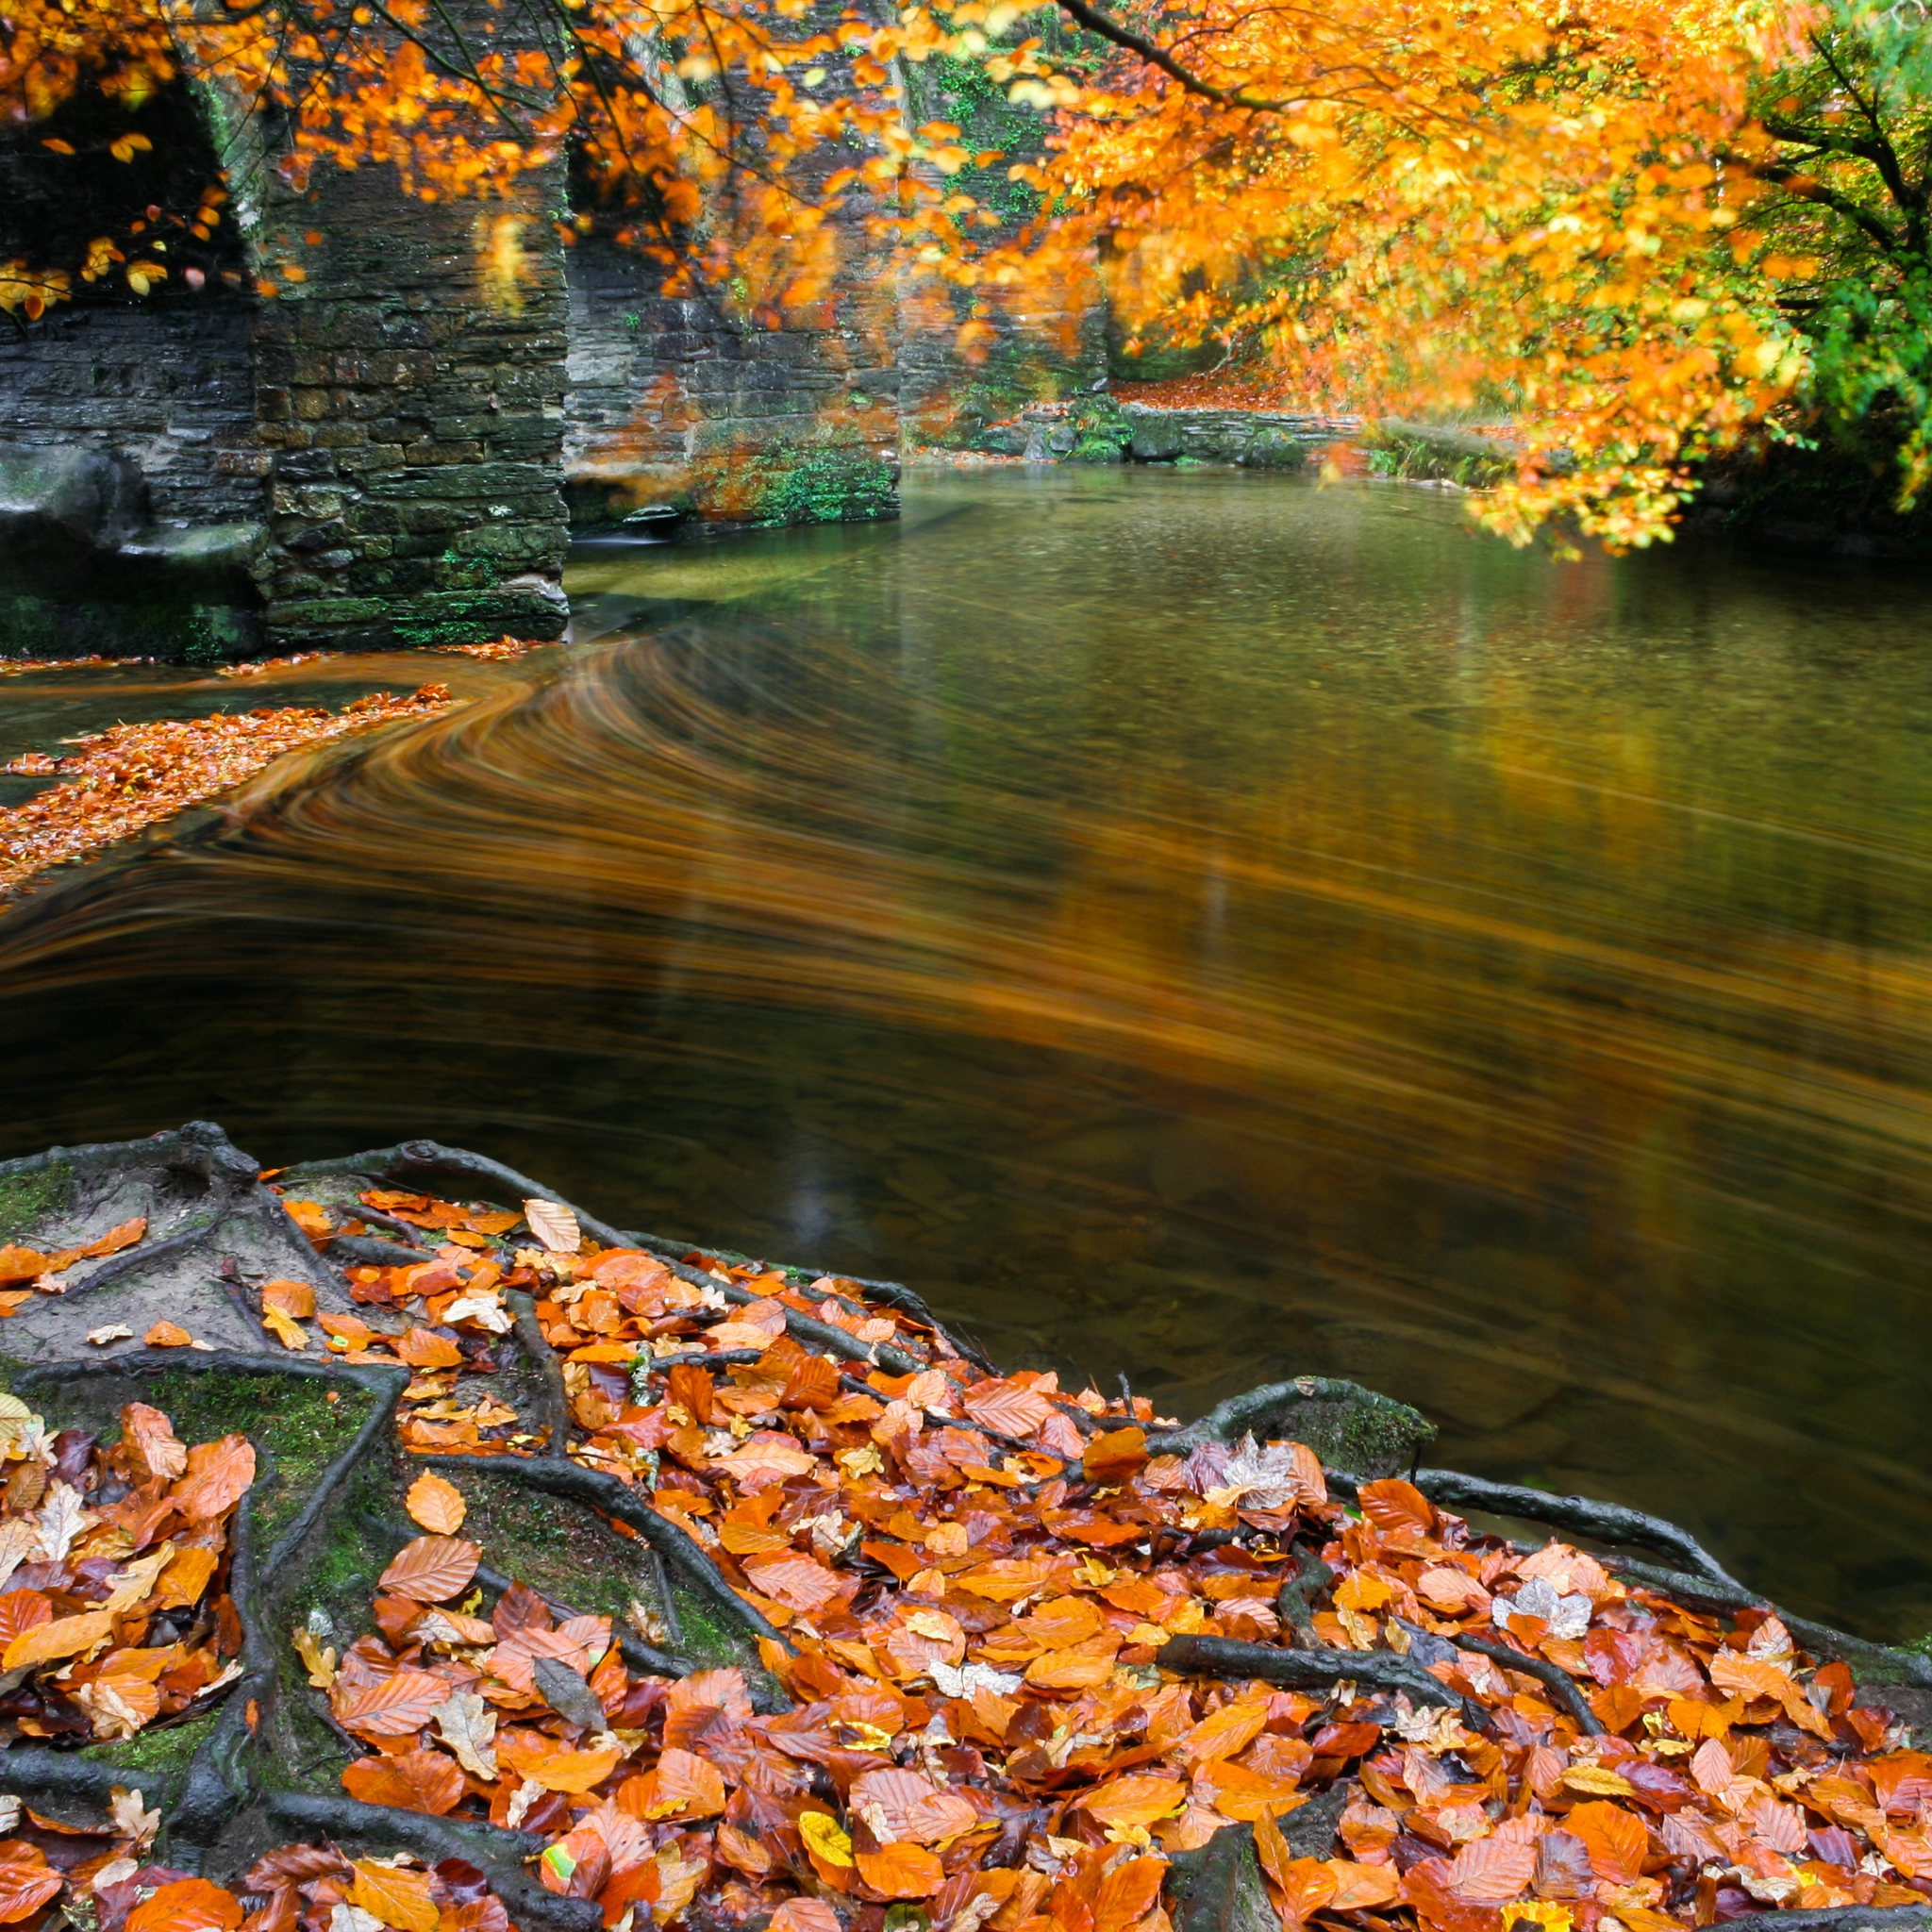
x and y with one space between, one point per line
1135 1800
114 1240
27 1882
1127 1894
1615 1839
182 1582
1115 1456
400 1899
187 1905
423 1350
1492 1871
218 1474
436 1503
391 1707
683 1786
1396 1506
62 1637
901 1871
1358 1888
412 1781
294 1298
577 1771
432 1569
167 1335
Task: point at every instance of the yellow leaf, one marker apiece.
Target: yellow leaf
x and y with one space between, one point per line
289 1333
822 1836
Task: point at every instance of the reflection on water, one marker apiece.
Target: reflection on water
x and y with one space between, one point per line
1198 925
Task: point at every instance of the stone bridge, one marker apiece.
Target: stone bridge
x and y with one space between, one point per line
354 418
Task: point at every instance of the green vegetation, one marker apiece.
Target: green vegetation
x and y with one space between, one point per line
26 1198
165 1749
289 1416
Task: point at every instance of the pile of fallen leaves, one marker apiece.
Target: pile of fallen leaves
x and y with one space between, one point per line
975 1576
113 1564
123 781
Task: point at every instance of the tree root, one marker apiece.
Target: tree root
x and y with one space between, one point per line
500 1853
1314 1670
1606 1523
1828 1919
1553 1676
1879 1663
556 1475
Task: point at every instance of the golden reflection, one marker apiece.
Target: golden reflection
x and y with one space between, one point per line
1497 1025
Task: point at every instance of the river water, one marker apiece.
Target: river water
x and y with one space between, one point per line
1200 926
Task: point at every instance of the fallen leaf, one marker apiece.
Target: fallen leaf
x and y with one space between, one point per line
410 1780
436 1503
902 1871
468 1726
554 1226
61 1637
167 1335
432 1569
187 1905
114 1331
399 1899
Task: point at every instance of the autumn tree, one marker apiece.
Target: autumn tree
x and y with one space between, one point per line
1633 231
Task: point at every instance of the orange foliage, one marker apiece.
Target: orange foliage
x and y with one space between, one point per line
1506 207
135 775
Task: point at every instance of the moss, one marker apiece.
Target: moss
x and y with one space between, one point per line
26 1198
166 1751
290 1416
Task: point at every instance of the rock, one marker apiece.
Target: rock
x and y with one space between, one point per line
1274 449
83 497
1348 1427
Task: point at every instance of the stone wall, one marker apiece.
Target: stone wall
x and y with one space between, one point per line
674 401
412 418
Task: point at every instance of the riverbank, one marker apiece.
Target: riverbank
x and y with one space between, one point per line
89 794
801 1611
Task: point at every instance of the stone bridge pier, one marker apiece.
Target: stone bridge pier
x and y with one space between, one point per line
347 417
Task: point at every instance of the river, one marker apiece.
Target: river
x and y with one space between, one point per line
1200 926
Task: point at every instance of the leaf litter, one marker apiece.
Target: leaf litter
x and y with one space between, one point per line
975 1576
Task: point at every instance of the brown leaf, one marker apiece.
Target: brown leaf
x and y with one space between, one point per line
412 1781
432 1569
151 1442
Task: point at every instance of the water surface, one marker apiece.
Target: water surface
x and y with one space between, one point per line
1199 926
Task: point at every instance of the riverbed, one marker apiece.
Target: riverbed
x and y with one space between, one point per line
1200 926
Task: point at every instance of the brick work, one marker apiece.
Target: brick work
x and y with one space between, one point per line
405 422
412 393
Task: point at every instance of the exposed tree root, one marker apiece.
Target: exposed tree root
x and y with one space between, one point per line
1314 1670
1606 1523
1553 1676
